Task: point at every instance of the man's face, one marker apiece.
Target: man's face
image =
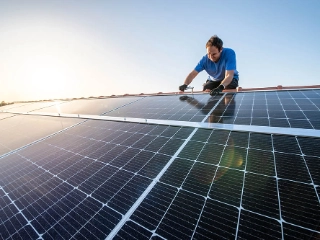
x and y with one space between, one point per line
213 53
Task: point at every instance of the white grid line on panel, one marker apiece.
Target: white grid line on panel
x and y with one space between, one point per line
103 204
214 176
149 188
278 192
20 211
213 108
122 106
301 109
267 109
40 140
284 111
314 185
252 108
299 132
234 127
242 190
238 110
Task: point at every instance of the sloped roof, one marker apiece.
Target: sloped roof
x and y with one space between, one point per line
243 164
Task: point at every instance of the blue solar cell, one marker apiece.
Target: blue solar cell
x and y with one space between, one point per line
309 146
177 172
301 209
128 195
291 166
181 217
261 162
132 230
138 161
151 210
217 221
286 144
257 226
199 178
313 166
296 232
260 195
227 186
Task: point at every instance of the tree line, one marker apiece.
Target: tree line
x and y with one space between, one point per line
3 103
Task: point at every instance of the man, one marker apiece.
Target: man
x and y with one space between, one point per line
220 64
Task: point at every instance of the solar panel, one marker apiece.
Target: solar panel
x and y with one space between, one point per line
28 107
12 106
5 115
91 106
252 194
20 130
183 108
287 109
102 179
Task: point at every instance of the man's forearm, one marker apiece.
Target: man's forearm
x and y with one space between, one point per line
227 80
190 77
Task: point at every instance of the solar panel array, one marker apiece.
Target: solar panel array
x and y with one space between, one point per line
73 178
287 109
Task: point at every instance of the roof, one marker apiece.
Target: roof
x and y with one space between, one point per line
244 164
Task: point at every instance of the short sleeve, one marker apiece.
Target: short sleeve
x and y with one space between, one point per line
200 65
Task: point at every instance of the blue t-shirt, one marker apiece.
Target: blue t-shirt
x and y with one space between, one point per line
217 70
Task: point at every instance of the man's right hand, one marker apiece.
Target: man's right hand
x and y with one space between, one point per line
183 87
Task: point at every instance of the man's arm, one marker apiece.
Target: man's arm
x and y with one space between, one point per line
190 77
188 80
228 78
224 83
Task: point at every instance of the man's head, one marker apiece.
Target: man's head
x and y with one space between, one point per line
214 48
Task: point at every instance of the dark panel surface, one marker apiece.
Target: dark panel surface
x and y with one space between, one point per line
90 106
288 109
21 130
5 115
192 108
79 183
29 107
259 186
101 178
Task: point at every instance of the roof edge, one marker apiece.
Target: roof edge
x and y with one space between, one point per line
238 89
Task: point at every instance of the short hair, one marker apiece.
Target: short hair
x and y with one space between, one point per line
215 41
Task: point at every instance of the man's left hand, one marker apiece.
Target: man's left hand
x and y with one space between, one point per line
217 90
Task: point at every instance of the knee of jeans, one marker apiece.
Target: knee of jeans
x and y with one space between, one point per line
232 85
205 87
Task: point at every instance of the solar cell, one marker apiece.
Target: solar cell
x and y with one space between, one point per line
99 179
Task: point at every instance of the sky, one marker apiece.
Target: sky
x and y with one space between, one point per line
54 49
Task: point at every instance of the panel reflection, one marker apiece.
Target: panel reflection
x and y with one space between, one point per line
223 112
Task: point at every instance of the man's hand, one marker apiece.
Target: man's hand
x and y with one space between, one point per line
183 87
217 90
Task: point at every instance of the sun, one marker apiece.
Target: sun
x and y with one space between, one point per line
46 77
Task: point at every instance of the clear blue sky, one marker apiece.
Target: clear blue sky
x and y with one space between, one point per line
77 48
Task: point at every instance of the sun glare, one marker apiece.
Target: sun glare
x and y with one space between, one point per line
45 77
52 59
